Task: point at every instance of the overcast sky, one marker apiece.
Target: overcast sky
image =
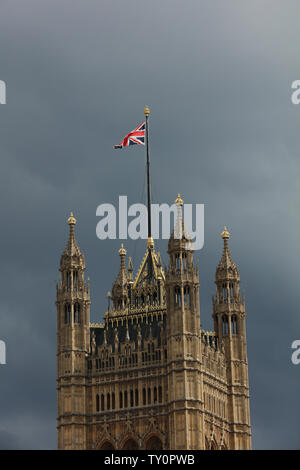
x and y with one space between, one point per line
217 77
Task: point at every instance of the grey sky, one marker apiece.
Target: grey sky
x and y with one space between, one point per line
217 78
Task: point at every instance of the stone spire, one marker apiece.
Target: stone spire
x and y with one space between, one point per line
72 255
227 269
119 290
179 240
130 269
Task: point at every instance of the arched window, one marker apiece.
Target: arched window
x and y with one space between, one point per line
224 293
136 397
231 291
120 400
108 401
68 281
149 396
76 312
184 262
155 395
102 402
97 403
144 396
113 401
177 262
125 399
107 446
234 327
154 443
75 280
177 293
160 394
225 325
131 398
130 444
67 313
187 297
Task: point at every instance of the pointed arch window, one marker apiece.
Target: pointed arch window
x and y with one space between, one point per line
67 313
113 401
177 262
131 398
187 296
144 396
75 280
225 325
76 312
184 262
234 325
231 291
159 394
68 281
97 403
224 293
177 293
102 402
149 396
120 400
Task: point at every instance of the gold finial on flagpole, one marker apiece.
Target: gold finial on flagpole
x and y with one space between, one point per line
147 111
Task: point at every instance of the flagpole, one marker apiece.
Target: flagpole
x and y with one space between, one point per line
147 112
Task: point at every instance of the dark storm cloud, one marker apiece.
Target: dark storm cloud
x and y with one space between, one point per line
217 78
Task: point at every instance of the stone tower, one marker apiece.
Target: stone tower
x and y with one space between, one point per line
230 325
183 341
73 344
149 377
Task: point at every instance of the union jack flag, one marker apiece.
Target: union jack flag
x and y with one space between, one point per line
135 137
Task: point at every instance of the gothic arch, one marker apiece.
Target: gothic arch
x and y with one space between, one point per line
129 443
153 442
106 445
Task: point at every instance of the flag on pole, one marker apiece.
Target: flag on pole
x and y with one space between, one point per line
135 137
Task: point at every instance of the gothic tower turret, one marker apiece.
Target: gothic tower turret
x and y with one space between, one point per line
120 287
183 341
229 318
73 343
